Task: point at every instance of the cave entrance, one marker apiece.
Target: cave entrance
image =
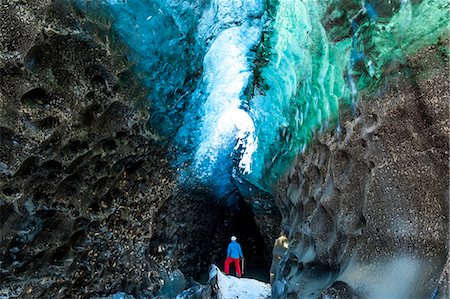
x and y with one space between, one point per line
239 221
243 226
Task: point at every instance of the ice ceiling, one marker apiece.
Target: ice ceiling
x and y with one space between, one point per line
240 87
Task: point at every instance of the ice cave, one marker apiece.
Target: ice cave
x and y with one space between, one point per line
138 136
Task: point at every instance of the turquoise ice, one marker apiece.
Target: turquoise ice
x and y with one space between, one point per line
239 88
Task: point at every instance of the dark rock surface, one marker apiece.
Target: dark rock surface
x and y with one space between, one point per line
338 290
84 184
265 213
81 180
368 205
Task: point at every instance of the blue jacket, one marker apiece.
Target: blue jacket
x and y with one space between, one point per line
234 250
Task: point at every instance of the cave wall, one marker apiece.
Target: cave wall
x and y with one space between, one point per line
367 204
82 179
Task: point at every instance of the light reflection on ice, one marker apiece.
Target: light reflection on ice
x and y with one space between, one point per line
226 73
234 125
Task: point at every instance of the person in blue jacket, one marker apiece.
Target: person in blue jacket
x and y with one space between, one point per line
234 252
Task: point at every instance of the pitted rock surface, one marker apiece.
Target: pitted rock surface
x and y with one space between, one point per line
82 178
371 199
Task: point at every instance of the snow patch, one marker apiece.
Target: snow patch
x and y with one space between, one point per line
230 287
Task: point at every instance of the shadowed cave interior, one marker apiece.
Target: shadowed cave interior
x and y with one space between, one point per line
239 221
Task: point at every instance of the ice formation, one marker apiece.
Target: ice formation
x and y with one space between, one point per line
259 80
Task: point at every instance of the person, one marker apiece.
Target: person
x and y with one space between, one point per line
234 252
279 249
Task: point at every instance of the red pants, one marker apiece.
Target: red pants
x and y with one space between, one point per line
236 264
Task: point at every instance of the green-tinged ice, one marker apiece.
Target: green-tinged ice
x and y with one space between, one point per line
321 55
214 98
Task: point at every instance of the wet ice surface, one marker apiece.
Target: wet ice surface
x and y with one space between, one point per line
380 279
198 58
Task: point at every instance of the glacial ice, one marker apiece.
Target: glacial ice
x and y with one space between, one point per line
226 73
321 56
258 81
225 129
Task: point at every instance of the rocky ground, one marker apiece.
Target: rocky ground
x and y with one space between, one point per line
371 199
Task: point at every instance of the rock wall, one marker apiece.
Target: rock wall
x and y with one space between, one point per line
82 179
367 204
